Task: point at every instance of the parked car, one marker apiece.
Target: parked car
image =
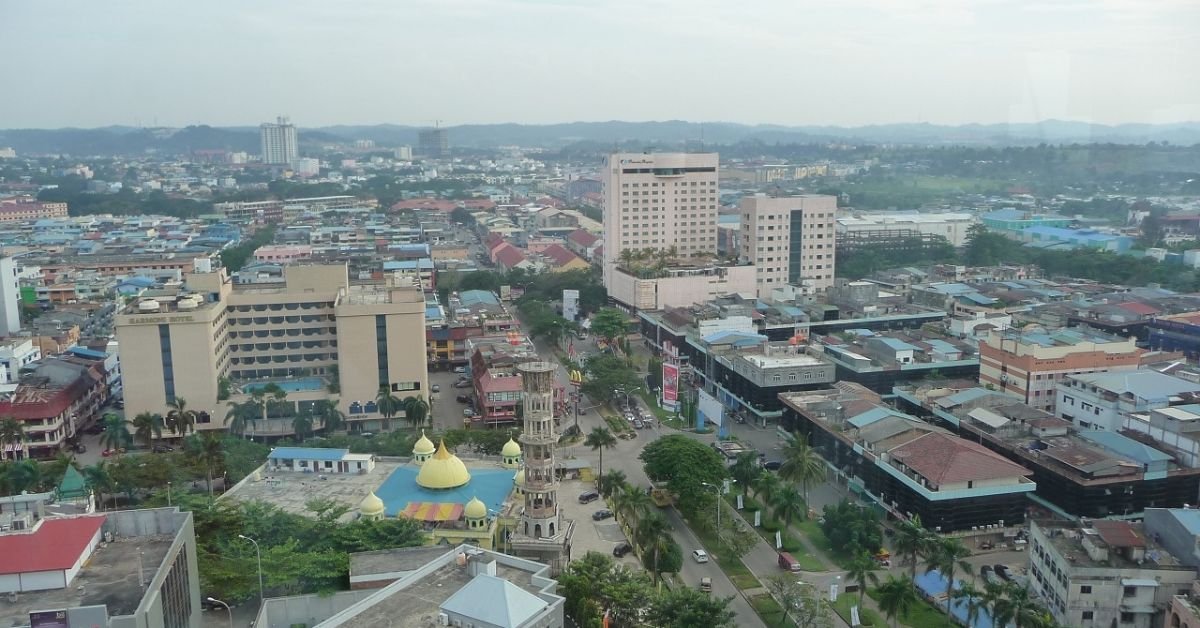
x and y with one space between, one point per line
588 497
772 465
638 424
460 369
700 556
463 398
601 515
622 549
162 449
80 448
462 383
435 388
1003 571
468 412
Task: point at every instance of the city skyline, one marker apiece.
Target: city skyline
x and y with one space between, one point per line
856 63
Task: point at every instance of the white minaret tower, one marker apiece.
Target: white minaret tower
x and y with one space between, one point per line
541 531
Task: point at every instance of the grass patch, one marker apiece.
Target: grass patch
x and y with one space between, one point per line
743 581
815 535
791 544
921 615
866 616
770 611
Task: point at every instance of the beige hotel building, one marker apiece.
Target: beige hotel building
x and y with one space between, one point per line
318 337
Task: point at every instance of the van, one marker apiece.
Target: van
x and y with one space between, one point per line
788 562
706 585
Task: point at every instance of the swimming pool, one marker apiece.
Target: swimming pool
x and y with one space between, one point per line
298 384
491 486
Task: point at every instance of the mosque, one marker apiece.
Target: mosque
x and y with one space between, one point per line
455 505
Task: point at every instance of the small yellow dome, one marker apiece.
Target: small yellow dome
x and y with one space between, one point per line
371 505
511 449
475 509
519 480
423 446
443 470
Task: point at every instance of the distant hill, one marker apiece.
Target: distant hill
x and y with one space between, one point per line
671 133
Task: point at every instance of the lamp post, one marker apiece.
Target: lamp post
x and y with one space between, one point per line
718 489
213 600
168 493
258 554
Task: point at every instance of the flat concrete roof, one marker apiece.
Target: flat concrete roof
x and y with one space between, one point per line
291 490
416 606
109 577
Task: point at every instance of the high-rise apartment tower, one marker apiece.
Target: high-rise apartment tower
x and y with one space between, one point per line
789 240
279 143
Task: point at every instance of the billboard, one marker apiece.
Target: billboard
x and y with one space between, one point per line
570 302
709 409
670 390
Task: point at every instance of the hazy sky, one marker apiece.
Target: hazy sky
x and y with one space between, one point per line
843 62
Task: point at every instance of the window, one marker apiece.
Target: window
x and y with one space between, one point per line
1086 616
1129 592
1085 589
1126 618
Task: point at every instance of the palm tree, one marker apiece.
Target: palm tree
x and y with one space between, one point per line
896 597
613 483
302 423
993 600
599 439
180 420
862 570
97 478
745 470
654 537
1016 607
972 598
912 541
635 502
241 414
788 504
802 464
948 555
12 432
115 435
415 409
147 427
389 404
766 485
23 475
206 449
331 417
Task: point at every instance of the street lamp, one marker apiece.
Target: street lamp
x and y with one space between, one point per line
213 600
718 489
168 493
258 554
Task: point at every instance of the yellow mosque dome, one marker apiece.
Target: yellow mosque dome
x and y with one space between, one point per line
371 505
475 509
443 470
423 446
519 479
511 449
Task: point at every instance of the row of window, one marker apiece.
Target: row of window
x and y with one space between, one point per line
278 307
278 346
678 184
279 320
282 359
279 333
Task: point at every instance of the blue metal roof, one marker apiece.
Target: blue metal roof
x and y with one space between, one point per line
1125 446
734 337
942 346
88 353
307 453
965 396
471 297
409 264
1188 518
976 298
873 415
896 344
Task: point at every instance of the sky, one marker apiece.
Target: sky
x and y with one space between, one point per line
790 62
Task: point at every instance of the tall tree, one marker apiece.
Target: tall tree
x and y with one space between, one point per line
599 439
912 542
947 556
685 607
147 426
415 410
207 450
389 404
609 324
326 410
180 420
97 478
653 536
12 432
302 423
613 483
745 470
802 464
115 435
240 415
635 502
766 485
972 599
896 598
788 505
862 570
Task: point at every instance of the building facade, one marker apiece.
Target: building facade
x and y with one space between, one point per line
789 240
28 209
1030 365
279 142
658 201
215 344
433 143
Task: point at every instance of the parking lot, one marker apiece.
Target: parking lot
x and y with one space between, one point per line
590 536
447 411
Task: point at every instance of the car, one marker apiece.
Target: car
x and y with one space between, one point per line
706 585
638 424
772 465
601 515
622 549
1003 571
985 571
462 384
435 388
463 398
588 497
460 369
162 449
700 556
468 412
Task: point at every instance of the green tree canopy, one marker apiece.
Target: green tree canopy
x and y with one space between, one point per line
686 465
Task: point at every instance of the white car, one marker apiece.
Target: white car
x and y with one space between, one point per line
460 369
700 556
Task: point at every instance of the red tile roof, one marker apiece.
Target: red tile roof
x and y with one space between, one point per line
29 402
509 383
426 203
479 203
559 255
509 256
1138 308
582 238
1119 533
943 459
56 544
